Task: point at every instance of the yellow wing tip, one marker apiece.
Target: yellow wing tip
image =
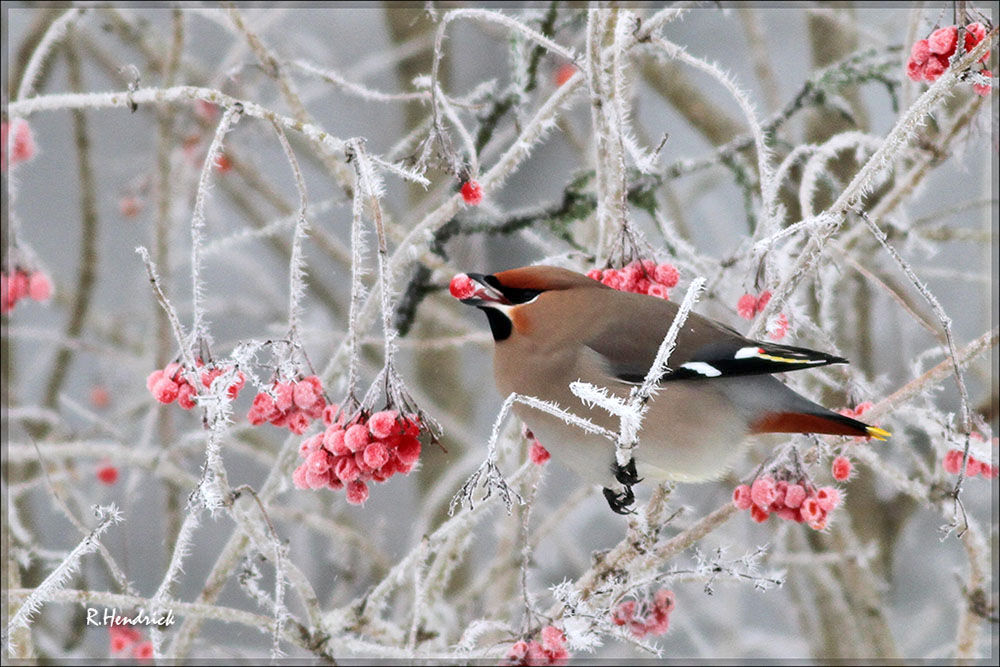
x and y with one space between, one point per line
878 433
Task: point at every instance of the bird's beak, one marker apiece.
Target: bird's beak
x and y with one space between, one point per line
473 290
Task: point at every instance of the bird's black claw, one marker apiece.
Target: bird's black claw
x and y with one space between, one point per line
619 502
626 474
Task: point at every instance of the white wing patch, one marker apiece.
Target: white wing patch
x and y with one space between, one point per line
701 368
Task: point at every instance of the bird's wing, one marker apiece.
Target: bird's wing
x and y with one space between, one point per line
705 349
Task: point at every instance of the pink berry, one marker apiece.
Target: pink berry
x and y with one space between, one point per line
119 643
935 67
310 445
299 477
538 454
667 274
564 73
841 468
763 492
741 497
316 480
972 467
763 299
552 638
22 142
357 492
185 396
828 498
143 651
975 33
319 461
39 287
376 455
99 397
356 438
658 290
153 378
942 41
107 474
594 274
914 70
920 51
777 328
953 461
284 395
298 422
333 440
304 394
234 388
757 514
472 193
810 510
794 495
408 450
983 89
746 307
165 390
382 424
346 469
624 613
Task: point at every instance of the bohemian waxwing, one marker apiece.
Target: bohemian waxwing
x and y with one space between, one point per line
552 326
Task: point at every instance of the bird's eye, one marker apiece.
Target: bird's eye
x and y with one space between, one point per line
515 295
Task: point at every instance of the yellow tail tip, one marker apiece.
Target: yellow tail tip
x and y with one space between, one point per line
878 433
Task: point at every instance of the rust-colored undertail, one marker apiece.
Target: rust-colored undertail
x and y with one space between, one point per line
829 424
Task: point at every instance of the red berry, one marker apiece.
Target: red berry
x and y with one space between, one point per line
107 474
538 454
953 461
472 193
983 89
746 307
942 41
564 73
741 497
841 468
223 163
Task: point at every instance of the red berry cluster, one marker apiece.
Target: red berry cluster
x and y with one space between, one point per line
372 448
749 306
13 287
799 502
295 405
929 57
550 651
169 385
973 467
841 468
641 276
472 193
22 147
656 619
124 637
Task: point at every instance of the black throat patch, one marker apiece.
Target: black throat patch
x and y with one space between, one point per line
500 325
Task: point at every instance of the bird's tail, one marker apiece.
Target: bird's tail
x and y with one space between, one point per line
825 422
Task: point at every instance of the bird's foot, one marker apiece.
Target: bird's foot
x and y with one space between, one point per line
620 502
626 474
